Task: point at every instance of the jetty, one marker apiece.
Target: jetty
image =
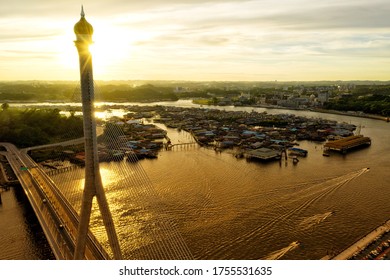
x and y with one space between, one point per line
347 143
62 170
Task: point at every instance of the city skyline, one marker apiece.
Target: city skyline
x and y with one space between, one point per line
199 40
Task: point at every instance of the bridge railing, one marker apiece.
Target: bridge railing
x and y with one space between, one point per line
57 216
94 248
46 216
67 213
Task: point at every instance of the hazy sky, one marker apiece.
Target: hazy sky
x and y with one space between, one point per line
199 39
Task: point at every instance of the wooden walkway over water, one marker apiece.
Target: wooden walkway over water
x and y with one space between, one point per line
62 170
181 145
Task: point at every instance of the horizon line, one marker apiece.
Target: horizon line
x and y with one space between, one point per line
199 81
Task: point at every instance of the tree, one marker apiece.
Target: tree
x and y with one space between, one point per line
214 101
4 106
33 127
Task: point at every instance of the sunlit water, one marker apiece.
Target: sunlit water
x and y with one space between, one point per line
228 208
21 236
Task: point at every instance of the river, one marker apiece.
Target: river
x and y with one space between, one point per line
228 208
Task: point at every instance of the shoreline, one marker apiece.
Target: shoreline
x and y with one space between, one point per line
363 242
334 112
367 116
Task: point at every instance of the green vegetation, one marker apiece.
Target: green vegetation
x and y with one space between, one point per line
37 91
191 94
362 96
31 127
368 99
70 92
202 101
144 93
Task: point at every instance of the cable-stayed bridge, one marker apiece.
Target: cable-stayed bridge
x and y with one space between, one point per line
59 217
66 225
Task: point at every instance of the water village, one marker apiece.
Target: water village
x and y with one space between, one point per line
251 135
260 136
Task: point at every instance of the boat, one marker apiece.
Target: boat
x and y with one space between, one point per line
297 151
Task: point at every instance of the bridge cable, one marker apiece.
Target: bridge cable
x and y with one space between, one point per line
170 242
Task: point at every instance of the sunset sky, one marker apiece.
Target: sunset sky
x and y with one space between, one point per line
199 40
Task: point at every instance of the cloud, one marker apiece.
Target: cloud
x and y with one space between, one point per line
344 17
17 36
257 35
45 8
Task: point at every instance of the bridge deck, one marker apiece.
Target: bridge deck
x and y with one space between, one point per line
363 242
57 217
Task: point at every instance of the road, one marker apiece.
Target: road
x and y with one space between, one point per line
63 144
99 131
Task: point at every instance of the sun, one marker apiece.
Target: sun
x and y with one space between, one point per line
110 48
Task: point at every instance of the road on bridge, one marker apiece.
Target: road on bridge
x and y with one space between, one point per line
57 217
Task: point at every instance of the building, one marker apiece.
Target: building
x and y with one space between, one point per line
323 97
263 154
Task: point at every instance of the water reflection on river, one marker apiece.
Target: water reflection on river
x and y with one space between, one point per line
228 208
21 236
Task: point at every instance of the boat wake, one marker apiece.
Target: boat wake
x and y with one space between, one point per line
280 253
309 222
287 207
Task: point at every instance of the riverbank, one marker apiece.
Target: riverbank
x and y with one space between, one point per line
325 111
365 241
352 114
117 105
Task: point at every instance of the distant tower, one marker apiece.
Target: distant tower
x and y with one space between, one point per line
93 182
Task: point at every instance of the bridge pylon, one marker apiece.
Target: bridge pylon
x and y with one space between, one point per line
93 182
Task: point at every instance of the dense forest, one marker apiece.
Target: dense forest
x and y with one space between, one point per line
70 92
144 93
31 127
